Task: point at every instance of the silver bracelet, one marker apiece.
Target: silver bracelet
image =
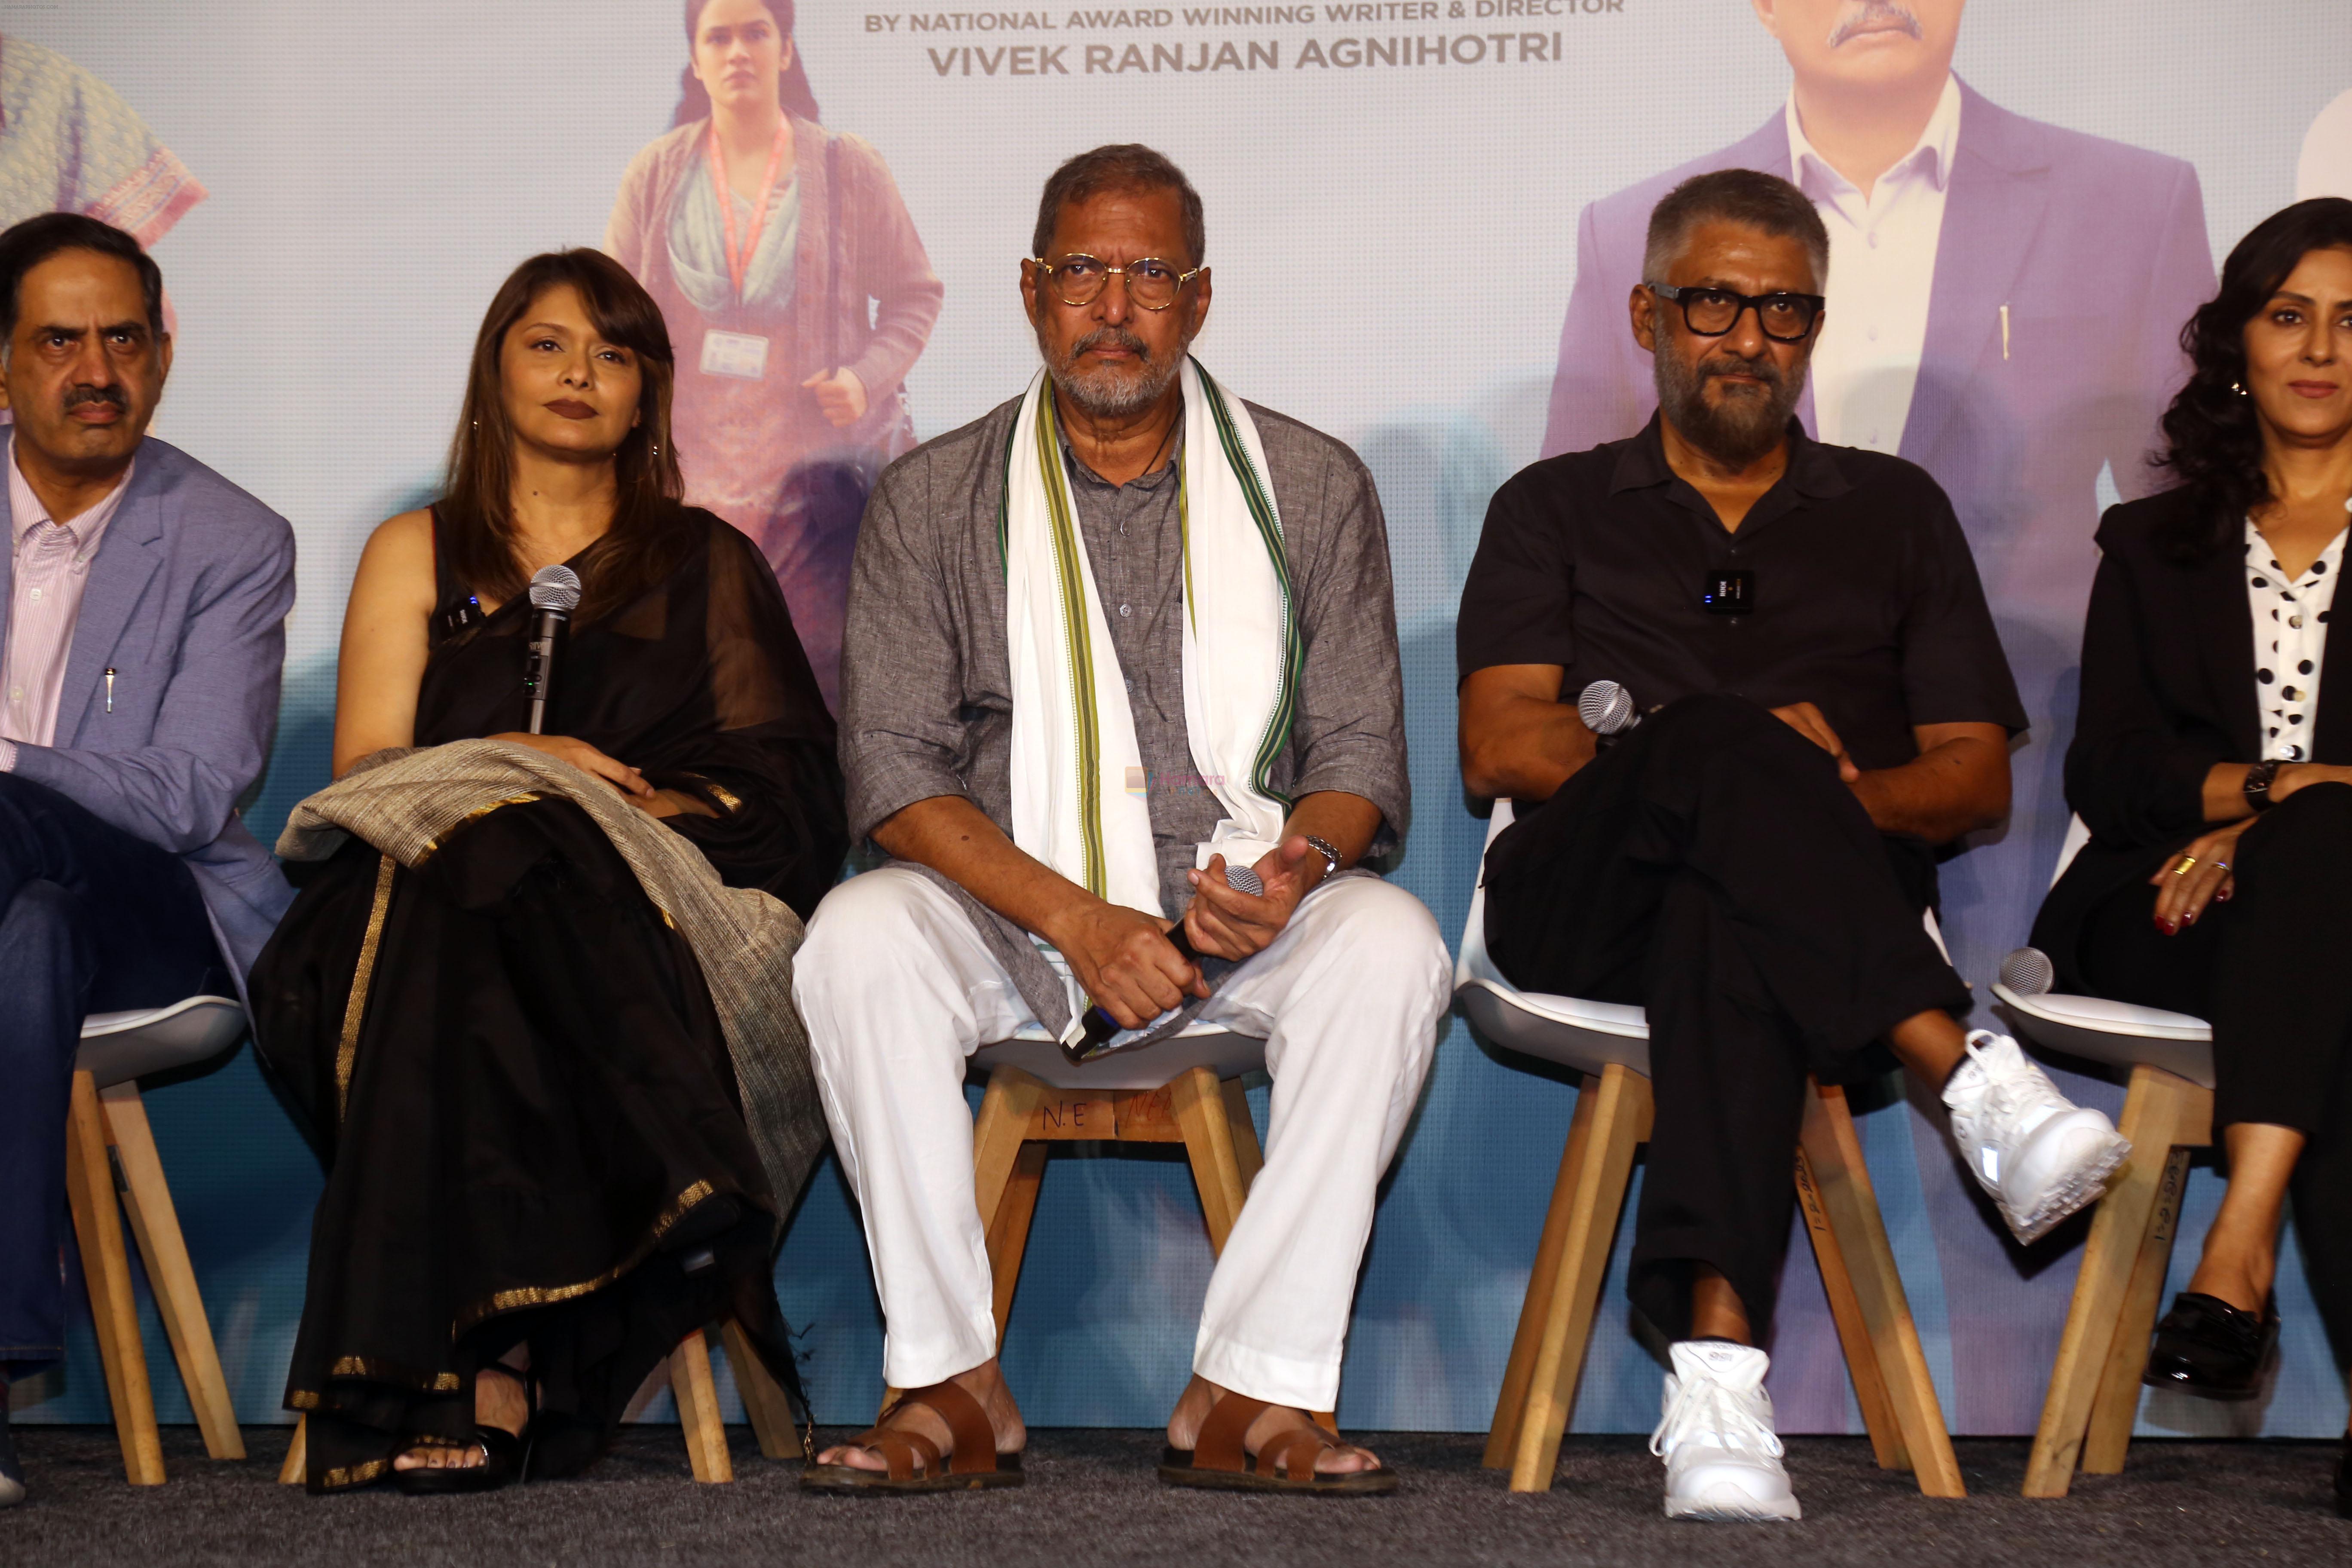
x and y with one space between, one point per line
1327 850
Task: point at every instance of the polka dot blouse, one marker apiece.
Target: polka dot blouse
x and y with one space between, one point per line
2290 642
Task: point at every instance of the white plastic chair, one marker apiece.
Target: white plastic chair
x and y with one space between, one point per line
2095 1388
1609 1043
109 1157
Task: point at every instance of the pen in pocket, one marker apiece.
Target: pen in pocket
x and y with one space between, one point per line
110 688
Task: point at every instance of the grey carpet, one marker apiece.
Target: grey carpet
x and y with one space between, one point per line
1091 1498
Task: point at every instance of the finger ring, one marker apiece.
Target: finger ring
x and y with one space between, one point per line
2220 864
2187 862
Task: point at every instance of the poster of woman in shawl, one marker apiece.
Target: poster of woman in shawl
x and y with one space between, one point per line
798 297
69 143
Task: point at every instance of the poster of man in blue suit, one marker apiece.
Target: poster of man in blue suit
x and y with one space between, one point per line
2005 302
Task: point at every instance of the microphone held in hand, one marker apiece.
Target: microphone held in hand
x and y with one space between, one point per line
1100 1025
1607 709
554 595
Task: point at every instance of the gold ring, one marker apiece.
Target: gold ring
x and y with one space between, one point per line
2187 863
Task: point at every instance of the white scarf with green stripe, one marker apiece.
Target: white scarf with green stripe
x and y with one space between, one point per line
1078 790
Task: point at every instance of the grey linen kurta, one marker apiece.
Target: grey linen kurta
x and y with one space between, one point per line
927 684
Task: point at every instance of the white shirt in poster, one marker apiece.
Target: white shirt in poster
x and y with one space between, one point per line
1882 273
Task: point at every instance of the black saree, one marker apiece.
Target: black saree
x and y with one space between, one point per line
507 1055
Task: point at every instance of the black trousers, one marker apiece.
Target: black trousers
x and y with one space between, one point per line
92 920
2272 970
1711 867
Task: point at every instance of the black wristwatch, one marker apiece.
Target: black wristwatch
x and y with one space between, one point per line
2258 784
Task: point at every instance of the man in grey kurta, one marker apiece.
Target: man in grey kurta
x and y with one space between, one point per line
909 969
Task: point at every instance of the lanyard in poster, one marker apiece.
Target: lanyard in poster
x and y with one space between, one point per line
739 261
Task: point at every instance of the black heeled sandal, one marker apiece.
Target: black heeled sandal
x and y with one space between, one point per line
506 1456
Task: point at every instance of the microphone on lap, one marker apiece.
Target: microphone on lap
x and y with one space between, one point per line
1100 1025
554 595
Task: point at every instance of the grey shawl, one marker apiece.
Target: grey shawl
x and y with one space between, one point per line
407 804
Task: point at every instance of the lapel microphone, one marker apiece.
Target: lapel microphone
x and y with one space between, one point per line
1101 1026
554 595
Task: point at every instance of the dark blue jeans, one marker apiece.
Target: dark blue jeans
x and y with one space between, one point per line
92 920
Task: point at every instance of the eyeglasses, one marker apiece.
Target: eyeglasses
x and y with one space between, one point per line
1712 312
1080 279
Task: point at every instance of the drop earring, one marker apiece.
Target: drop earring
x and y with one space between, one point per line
2238 387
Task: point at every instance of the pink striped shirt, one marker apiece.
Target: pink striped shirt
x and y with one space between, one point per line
50 568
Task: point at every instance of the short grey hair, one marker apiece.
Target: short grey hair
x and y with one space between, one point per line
1121 166
1743 196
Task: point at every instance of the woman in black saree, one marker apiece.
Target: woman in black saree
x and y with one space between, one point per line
540 1176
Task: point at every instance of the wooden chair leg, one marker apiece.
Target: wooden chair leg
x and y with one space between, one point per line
1246 1153
1535 1311
698 1410
106 1270
997 1134
155 1223
2161 1111
1199 1103
2117 1404
296 1469
764 1396
1612 1118
1866 1297
1008 1232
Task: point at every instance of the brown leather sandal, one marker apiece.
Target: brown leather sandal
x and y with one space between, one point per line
914 1460
1286 1464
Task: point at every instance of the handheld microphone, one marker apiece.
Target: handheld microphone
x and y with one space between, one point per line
1607 709
554 595
1101 1026
2028 972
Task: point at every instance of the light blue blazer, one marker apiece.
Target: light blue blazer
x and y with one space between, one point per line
187 603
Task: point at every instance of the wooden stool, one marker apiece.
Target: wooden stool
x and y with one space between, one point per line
2095 1388
1882 1346
110 1158
696 1393
1187 1090
1608 1044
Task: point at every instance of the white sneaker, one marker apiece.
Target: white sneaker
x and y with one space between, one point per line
2041 1156
1723 1459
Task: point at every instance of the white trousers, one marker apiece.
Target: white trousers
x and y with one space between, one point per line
897 989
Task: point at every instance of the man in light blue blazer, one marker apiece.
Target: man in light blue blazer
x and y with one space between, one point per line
143 601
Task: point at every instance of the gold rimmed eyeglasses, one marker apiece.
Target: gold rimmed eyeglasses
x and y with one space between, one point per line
1080 279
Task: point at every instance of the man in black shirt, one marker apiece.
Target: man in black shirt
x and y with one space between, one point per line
1822 705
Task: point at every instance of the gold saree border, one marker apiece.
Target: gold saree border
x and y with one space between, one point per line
339 1479
355 1006
546 1295
433 846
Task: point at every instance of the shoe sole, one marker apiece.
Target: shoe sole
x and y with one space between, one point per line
2062 1203
1747 1511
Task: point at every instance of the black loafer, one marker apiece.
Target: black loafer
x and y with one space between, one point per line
2205 1346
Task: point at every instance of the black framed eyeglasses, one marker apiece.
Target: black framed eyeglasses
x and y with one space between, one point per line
1077 280
1712 312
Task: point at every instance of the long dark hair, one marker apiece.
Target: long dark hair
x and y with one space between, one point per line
650 533
791 90
2212 440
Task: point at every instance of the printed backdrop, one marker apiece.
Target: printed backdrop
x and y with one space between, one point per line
1401 195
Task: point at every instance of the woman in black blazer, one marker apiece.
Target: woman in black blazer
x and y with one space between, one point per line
2213 762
